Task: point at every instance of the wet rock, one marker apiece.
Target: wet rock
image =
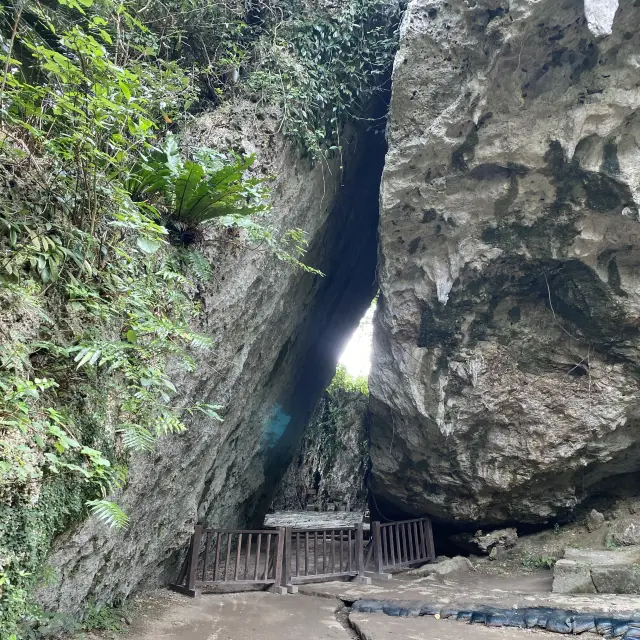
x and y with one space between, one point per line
624 531
595 520
506 346
448 567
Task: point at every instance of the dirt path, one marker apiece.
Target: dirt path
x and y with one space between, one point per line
250 616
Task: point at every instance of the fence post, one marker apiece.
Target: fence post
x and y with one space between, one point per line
193 560
279 557
360 549
286 579
377 546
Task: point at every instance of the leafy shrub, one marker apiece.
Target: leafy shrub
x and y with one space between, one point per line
532 561
344 381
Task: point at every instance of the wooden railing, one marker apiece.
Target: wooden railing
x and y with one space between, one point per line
402 544
226 560
323 554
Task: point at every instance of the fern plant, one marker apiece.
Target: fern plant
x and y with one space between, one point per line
191 193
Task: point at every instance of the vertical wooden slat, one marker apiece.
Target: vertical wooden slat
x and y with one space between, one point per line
217 560
287 557
255 572
324 552
429 529
279 556
411 555
207 542
195 554
246 560
235 573
423 540
266 562
341 543
393 529
377 547
404 542
360 548
349 549
297 554
333 551
416 541
398 559
226 563
306 553
385 547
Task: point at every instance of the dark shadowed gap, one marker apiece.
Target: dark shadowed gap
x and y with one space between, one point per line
346 253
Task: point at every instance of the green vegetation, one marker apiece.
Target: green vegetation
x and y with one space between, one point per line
344 381
532 561
104 221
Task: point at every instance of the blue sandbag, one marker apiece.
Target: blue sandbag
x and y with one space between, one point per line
514 618
448 612
632 634
583 623
479 617
368 606
560 623
464 616
392 610
604 626
619 627
430 609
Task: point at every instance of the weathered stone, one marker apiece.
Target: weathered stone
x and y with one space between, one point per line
504 381
616 579
624 531
278 333
451 566
591 571
570 576
595 520
506 538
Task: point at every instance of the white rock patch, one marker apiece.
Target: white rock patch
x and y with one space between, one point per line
600 15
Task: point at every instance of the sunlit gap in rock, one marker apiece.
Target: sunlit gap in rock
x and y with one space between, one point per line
356 356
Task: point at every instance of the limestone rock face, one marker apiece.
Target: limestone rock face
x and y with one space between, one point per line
332 461
278 334
506 345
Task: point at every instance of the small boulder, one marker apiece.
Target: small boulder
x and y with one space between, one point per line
595 520
505 538
624 532
451 566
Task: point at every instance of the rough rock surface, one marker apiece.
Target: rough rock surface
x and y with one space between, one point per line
278 333
332 461
595 571
625 531
506 345
595 520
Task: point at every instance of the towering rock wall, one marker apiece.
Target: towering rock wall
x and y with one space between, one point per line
505 379
278 334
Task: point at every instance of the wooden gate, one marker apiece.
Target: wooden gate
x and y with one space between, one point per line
321 555
402 544
231 560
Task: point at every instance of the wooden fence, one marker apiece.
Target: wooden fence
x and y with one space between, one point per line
322 555
231 560
228 560
402 544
